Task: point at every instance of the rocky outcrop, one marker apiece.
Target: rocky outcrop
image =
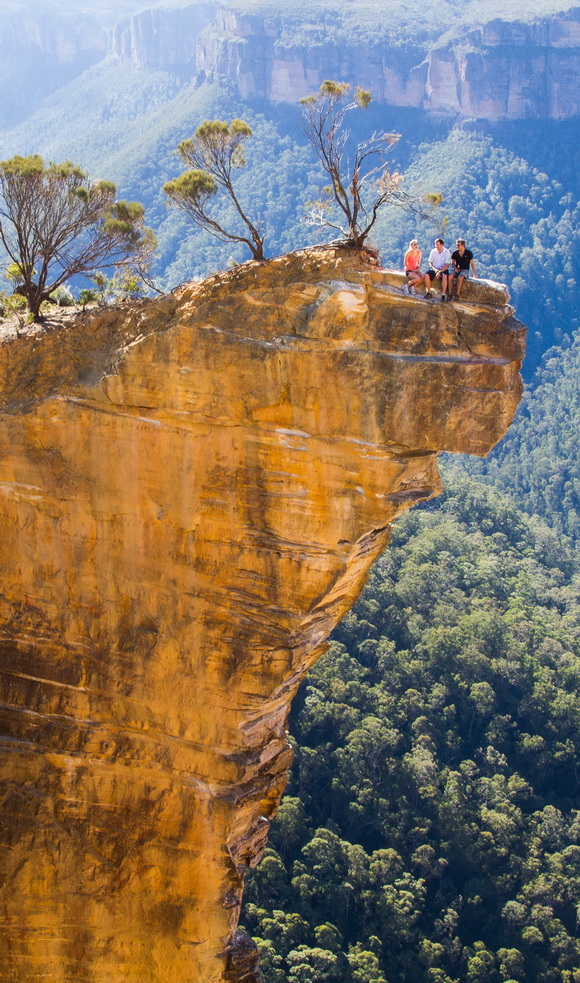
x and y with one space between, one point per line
192 491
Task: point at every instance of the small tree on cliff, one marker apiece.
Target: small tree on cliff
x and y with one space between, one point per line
361 180
55 224
213 154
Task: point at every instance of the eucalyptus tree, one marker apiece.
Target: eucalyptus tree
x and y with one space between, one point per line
213 155
361 180
56 224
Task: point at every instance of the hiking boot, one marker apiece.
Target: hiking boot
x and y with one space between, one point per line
443 298
428 295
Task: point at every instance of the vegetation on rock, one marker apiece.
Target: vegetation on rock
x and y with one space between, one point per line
213 154
54 225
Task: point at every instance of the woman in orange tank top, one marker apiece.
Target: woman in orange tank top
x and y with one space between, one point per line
413 273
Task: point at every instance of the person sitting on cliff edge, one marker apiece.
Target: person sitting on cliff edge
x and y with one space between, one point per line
439 262
413 273
462 260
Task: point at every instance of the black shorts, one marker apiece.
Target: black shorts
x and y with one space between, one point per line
433 273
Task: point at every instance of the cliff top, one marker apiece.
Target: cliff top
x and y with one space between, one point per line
331 298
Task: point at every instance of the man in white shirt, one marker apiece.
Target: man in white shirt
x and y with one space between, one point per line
439 263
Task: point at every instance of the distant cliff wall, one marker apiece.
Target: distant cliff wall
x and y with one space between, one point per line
499 71
502 70
192 491
164 39
528 69
40 51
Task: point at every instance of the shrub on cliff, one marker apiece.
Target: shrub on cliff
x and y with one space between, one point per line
214 154
361 179
55 224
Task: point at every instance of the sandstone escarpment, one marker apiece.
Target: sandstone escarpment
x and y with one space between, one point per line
192 491
520 68
163 38
495 70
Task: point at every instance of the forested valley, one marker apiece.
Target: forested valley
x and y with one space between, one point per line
431 829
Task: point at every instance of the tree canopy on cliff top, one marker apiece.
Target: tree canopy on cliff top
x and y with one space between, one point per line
375 21
54 225
214 154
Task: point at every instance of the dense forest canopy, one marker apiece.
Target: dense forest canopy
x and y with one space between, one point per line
381 17
431 830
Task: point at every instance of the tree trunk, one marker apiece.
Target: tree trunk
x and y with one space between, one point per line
35 297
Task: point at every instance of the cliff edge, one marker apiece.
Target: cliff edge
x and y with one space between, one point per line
192 491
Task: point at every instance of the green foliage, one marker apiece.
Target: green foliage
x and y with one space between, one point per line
62 296
214 152
194 185
537 464
14 275
432 832
11 304
54 225
88 296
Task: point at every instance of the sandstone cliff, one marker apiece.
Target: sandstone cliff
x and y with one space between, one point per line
492 69
192 491
163 38
464 64
498 70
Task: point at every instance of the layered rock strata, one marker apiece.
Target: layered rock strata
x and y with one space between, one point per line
192 491
516 68
499 69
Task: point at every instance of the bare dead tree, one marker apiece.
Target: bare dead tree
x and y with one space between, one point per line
361 181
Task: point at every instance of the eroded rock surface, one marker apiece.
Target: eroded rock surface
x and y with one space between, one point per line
192 491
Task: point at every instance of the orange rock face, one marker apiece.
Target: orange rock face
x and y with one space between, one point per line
192 491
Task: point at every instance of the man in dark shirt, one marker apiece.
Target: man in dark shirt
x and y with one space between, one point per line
462 260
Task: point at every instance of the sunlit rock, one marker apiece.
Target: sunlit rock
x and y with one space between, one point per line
192 491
